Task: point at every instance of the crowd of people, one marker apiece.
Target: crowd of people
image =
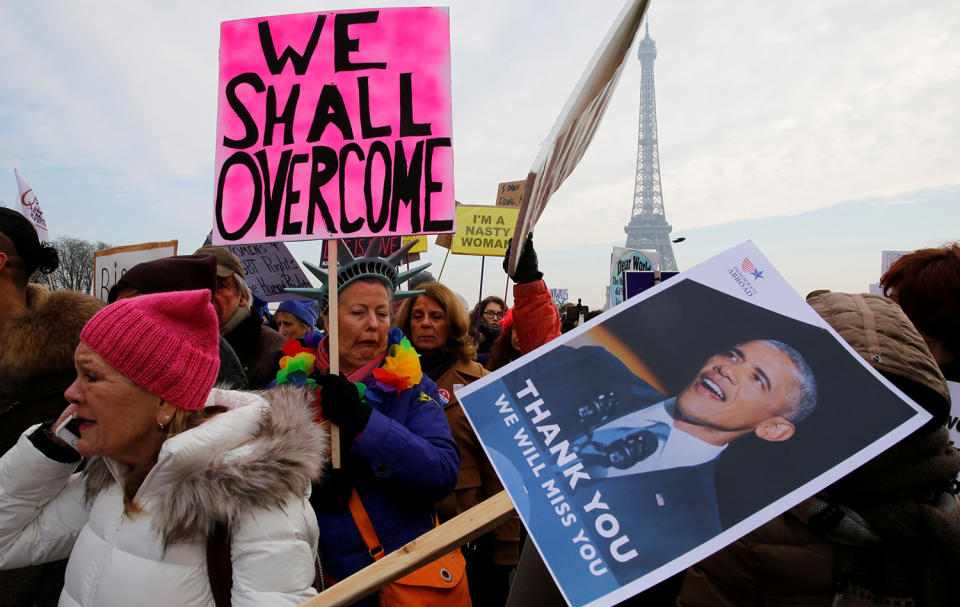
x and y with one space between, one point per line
173 446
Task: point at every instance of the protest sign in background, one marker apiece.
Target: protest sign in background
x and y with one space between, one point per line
109 265
270 268
358 247
886 260
559 296
334 124
888 257
483 230
623 260
420 247
635 283
614 518
510 193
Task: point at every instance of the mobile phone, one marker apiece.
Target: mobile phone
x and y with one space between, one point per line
69 431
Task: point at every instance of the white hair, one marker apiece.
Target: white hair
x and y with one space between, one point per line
244 290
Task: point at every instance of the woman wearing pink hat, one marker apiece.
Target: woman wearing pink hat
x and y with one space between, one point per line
170 463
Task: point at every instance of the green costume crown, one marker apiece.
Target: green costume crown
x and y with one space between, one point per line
351 269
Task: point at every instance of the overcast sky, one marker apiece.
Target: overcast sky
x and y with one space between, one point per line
825 131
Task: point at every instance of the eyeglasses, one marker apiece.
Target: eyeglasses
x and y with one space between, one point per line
493 315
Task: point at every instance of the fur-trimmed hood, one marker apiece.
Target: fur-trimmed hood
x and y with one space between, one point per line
43 340
263 451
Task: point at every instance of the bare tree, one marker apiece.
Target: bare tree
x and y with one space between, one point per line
76 264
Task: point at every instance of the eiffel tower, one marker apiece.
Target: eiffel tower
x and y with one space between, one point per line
648 227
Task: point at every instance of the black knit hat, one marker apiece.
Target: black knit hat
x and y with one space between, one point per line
31 252
177 273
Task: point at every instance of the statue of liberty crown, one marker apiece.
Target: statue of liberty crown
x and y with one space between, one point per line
351 269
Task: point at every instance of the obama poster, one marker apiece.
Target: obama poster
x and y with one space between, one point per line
678 421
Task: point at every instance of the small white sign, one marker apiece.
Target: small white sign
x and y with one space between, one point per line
109 265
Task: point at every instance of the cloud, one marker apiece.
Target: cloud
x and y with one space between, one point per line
109 110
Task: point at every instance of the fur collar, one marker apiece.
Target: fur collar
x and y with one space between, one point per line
286 454
43 340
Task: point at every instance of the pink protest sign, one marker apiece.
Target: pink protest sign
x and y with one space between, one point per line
333 125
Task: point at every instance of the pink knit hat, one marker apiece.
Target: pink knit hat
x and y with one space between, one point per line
166 343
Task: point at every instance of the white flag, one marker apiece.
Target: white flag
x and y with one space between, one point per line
30 208
578 121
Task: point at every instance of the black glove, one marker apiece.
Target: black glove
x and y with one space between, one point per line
342 405
527 270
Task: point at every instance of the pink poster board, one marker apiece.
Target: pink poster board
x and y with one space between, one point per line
334 125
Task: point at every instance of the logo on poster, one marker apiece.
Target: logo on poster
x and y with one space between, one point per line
747 266
740 276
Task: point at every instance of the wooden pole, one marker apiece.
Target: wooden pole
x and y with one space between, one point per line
444 264
438 541
333 341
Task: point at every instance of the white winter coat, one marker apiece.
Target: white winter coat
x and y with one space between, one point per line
250 467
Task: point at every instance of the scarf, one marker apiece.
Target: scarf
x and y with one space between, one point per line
242 313
436 364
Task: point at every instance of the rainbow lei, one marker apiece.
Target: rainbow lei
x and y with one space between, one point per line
297 365
401 367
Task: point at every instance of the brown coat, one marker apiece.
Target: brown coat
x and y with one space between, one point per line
36 358
781 563
36 366
477 479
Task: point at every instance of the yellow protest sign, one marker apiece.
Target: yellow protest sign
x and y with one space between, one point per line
420 247
483 230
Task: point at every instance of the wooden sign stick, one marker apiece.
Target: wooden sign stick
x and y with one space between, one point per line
333 341
438 541
444 264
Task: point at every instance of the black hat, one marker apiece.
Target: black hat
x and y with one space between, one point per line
30 250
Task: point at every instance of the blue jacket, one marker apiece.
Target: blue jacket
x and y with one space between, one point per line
403 463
